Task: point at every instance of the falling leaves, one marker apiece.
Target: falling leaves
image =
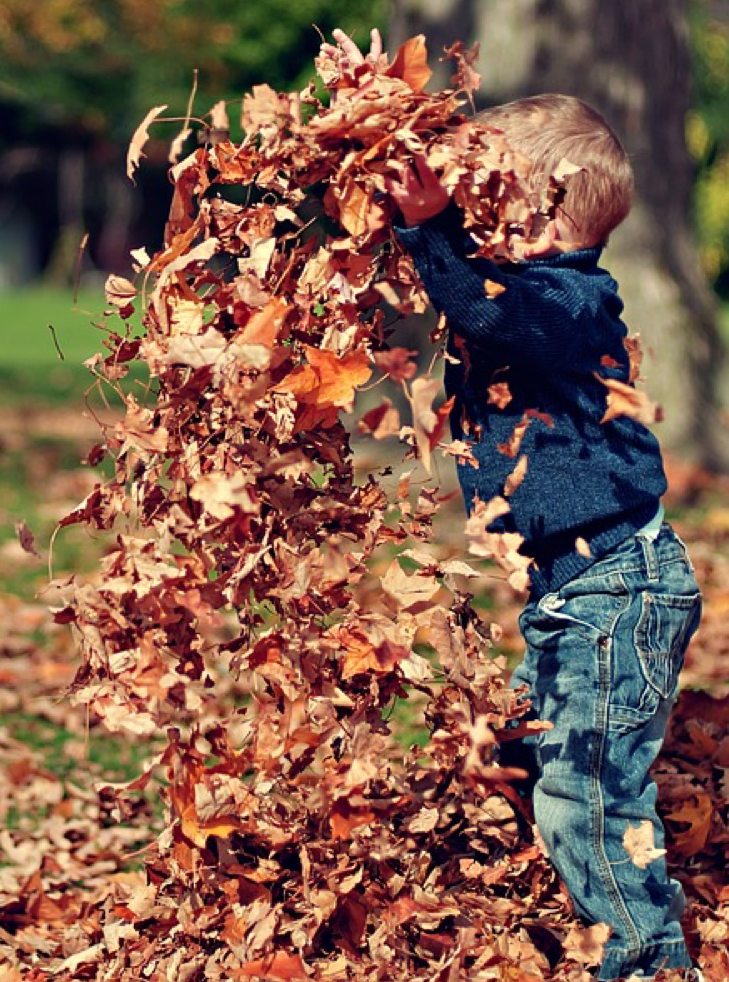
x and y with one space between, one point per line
499 395
26 539
428 424
502 547
515 479
586 945
493 289
625 400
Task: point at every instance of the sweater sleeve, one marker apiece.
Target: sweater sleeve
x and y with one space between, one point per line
538 313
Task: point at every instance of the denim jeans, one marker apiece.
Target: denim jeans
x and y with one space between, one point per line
602 660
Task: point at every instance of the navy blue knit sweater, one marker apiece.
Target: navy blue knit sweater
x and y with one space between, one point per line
548 335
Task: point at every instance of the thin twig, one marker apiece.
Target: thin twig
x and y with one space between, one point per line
52 329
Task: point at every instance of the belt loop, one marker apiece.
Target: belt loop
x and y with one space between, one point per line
651 558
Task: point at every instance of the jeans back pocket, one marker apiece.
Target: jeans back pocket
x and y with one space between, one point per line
662 633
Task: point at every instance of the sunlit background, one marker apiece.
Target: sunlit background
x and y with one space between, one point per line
76 76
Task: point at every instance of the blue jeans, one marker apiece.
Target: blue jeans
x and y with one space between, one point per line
602 660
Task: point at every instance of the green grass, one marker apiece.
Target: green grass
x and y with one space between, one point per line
45 339
47 334
117 758
103 756
26 318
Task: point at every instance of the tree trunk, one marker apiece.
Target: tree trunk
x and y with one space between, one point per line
631 61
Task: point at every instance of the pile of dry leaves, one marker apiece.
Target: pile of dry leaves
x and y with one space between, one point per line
241 618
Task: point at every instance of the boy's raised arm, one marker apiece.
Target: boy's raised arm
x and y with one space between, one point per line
537 317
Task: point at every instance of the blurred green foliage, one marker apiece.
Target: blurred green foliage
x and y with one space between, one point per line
99 65
708 135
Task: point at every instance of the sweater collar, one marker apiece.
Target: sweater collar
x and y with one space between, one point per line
574 259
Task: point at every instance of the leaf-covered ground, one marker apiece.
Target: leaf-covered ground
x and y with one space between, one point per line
68 858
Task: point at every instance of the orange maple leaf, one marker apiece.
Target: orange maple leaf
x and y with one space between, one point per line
326 385
360 655
264 326
277 965
411 63
329 379
344 818
697 812
358 212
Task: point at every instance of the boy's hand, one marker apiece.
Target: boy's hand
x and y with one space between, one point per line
347 56
417 192
547 243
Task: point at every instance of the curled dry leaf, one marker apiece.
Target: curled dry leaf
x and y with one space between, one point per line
428 423
139 139
26 539
411 63
119 291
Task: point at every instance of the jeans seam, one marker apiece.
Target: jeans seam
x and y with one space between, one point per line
597 799
660 945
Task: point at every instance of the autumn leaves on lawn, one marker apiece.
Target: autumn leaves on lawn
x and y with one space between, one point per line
248 560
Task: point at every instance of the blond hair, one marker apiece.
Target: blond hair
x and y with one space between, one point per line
550 128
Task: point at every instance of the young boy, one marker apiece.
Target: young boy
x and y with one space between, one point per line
613 600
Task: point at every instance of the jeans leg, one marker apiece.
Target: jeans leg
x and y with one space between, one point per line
594 781
650 936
